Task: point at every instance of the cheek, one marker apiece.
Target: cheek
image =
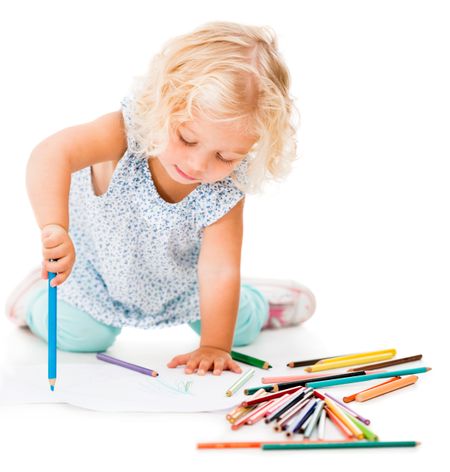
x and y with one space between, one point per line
171 154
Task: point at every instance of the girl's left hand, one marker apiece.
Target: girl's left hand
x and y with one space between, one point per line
206 358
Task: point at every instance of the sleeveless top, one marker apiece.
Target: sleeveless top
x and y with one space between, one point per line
137 254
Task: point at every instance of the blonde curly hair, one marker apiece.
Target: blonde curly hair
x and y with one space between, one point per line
225 72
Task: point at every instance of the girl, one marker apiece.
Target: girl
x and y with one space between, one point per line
155 195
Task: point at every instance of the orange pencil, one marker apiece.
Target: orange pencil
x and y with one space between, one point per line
258 444
337 422
381 390
344 419
351 398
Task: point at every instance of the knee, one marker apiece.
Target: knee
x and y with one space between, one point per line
77 331
81 338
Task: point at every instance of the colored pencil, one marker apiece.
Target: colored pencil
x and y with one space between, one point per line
299 420
291 378
259 415
252 411
347 362
339 424
395 385
301 383
245 377
339 445
322 421
52 330
137 368
270 396
351 398
348 409
311 361
240 410
364 378
238 356
368 434
287 416
342 416
314 419
294 398
256 444
359 355
382 365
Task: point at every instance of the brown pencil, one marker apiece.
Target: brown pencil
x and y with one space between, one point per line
381 365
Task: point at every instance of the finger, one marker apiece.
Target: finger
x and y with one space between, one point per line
218 366
44 273
56 252
234 367
204 366
191 365
178 360
60 278
61 265
52 240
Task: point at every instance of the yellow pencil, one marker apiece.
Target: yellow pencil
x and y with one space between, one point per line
357 355
347 362
389 387
342 416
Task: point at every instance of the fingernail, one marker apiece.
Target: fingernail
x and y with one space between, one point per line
201 372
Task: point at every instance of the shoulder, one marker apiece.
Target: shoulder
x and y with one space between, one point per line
216 200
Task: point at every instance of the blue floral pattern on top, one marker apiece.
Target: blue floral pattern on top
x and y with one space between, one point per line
137 254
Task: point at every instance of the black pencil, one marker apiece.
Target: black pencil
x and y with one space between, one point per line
312 361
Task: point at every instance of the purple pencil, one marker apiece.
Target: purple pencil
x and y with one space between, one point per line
353 413
143 370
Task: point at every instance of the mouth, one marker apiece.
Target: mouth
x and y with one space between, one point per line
185 176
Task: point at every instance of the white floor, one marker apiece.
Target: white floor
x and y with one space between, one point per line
63 437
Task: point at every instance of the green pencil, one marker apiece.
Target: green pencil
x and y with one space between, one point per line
340 445
238 356
368 434
363 378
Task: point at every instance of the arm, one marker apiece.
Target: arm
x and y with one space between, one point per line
219 281
54 160
49 171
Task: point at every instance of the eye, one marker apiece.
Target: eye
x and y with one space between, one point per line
187 143
221 159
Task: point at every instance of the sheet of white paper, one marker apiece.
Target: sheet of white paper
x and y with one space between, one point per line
106 387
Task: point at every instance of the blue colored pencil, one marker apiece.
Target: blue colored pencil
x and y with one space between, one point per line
52 304
363 378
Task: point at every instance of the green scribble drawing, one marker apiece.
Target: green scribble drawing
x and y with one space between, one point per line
182 386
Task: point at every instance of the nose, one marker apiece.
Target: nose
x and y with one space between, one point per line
197 165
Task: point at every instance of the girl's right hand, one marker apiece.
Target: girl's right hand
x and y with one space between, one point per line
57 245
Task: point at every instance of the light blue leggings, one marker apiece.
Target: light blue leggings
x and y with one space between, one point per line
79 332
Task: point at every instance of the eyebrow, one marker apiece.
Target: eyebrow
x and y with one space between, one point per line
237 151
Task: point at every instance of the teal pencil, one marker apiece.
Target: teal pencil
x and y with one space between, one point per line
364 378
340 445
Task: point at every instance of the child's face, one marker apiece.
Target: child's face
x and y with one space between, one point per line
201 151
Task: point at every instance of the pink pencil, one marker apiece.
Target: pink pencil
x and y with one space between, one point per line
294 378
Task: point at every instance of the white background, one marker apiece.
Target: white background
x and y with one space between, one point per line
362 220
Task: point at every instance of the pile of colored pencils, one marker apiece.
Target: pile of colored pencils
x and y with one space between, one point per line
296 406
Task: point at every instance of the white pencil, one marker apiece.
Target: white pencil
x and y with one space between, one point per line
245 377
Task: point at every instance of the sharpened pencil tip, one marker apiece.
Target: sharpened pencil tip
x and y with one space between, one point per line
52 388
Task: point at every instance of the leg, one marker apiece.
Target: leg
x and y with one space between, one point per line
77 330
252 316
